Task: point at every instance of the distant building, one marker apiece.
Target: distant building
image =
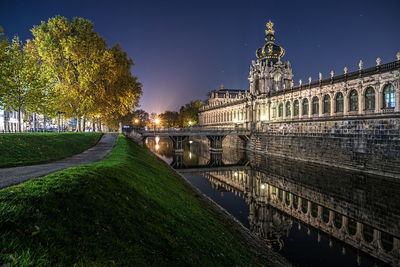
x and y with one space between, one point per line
273 97
8 121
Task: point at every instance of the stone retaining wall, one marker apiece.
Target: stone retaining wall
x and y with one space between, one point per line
372 145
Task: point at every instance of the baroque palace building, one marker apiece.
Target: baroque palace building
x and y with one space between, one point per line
273 97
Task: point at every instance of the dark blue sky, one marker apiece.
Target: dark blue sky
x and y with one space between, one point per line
183 49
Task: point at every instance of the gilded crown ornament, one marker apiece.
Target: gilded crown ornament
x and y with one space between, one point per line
270 52
269 29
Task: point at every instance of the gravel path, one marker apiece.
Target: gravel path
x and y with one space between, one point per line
16 175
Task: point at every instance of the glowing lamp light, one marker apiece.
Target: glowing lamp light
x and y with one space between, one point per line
262 117
157 139
157 120
262 186
157 147
190 155
190 142
236 174
235 120
190 122
136 121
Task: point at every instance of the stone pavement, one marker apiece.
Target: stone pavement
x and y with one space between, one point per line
16 175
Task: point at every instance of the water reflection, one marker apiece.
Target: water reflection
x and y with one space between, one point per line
313 215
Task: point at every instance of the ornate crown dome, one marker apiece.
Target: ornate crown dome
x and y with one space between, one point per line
270 51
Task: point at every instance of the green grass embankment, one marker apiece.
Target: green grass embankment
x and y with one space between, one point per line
129 209
32 148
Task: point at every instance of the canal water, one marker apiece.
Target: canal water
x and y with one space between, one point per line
311 214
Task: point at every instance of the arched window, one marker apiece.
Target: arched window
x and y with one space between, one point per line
274 111
339 102
388 96
296 108
288 109
305 106
327 104
315 105
280 110
353 100
370 98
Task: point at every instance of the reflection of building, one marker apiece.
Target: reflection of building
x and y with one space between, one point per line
272 97
363 214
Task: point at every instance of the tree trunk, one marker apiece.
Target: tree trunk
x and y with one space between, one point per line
19 120
78 124
84 124
34 122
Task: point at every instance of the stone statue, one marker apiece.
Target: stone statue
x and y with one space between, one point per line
332 73
360 65
300 82
309 79
345 70
320 76
398 55
378 61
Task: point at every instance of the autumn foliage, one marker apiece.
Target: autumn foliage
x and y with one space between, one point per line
70 68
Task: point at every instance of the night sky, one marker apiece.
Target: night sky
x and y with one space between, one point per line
183 49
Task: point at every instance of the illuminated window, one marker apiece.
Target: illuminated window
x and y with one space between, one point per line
339 102
280 110
388 96
288 111
296 108
370 98
315 105
327 104
353 100
273 111
305 106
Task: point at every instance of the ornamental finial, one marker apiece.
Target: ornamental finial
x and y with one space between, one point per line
269 30
398 55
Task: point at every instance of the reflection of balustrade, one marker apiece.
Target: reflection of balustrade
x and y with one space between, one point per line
375 242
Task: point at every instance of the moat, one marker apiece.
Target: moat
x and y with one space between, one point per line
311 214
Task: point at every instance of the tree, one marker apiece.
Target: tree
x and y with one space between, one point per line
21 83
120 91
169 119
88 79
3 61
189 114
142 118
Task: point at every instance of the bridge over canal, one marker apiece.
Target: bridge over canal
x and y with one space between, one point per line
179 135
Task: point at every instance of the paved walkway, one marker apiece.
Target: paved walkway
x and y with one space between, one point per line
16 175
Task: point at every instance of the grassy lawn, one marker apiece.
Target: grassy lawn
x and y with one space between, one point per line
129 209
32 148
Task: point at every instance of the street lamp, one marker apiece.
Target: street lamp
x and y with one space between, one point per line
156 122
190 123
